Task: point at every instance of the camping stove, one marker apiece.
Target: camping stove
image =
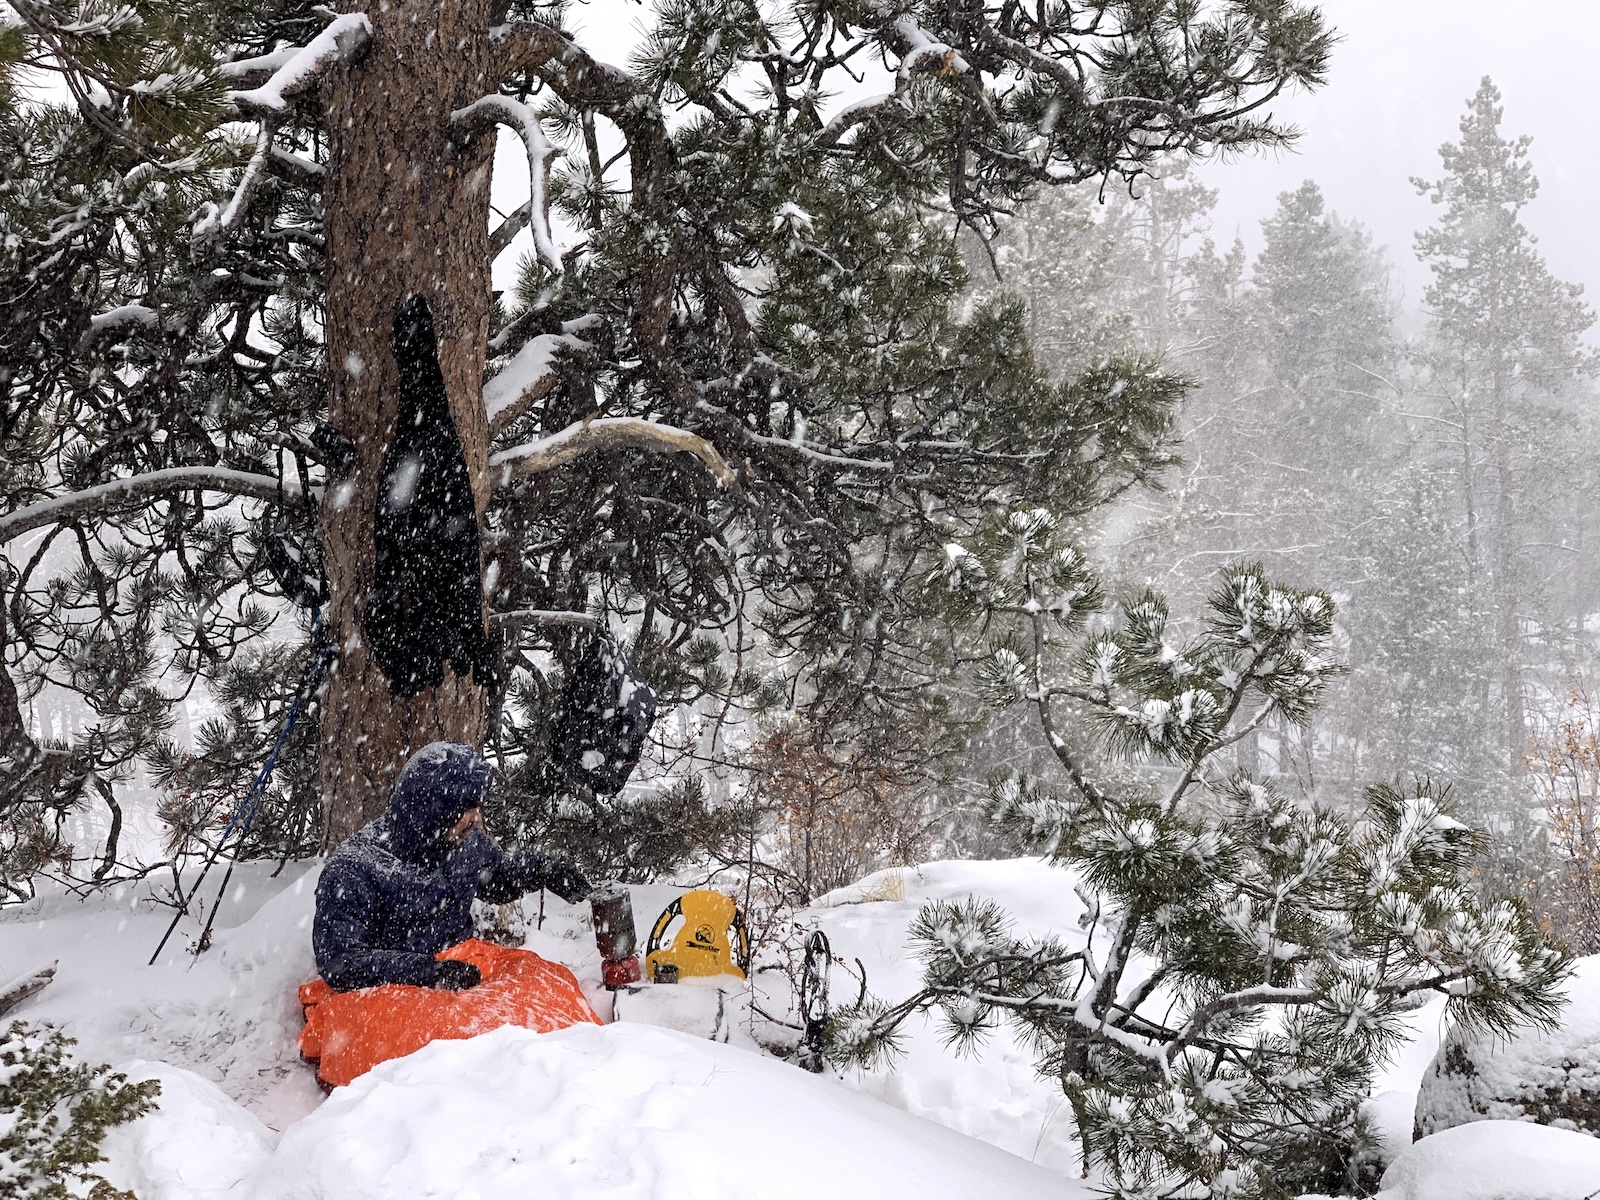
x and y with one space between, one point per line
614 935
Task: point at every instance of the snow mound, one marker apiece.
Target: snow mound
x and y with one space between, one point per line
1548 1076
996 1095
624 1112
230 1016
1496 1160
196 1145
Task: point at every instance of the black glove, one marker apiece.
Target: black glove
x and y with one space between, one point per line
454 976
566 881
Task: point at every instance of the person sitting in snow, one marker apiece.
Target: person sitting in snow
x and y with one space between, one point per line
401 890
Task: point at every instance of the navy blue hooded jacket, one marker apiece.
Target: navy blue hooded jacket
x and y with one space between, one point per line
397 893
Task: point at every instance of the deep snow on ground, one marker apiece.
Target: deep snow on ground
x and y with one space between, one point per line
230 1015
628 1110
620 1112
197 1145
625 1111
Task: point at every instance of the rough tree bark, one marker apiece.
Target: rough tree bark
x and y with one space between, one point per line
407 203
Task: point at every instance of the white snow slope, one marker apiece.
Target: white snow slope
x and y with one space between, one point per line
620 1112
624 1111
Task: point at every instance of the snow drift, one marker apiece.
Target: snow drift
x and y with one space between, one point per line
620 1112
1496 1160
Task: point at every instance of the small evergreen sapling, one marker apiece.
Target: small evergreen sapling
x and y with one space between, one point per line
54 1113
1246 956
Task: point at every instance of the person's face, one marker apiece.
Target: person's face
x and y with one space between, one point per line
470 819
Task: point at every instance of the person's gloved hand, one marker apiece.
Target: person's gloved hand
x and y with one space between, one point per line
566 881
455 976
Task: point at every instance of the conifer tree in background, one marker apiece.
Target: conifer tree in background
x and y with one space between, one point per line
1247 955
1315 442
206 242
1504 365
1317 488
1290 443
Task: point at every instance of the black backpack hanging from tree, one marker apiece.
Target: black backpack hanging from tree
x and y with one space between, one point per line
605 715
426 607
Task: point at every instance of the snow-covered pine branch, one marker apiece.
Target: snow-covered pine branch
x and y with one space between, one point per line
247 73
543 616
214 222
575 75
921 55
524 122
295 169
607 433
118 318
530 375
301 71
294 73
106 497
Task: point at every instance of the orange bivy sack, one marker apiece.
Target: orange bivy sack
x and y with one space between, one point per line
348 1033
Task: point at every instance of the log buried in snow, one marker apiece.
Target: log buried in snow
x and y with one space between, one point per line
23 986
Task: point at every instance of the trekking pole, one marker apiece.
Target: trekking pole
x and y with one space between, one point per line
249 805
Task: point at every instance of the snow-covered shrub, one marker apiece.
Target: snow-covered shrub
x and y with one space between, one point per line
54 1114
1551 1076
1247 956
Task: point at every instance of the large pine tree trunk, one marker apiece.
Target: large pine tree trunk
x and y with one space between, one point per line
407 213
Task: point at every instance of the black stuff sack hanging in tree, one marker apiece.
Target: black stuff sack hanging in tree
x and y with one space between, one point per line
605 715
426 607
297 573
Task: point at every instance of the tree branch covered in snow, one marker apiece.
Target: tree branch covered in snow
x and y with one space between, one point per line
524 122
214 222
607 433
544 616
301 71
135 489
530 374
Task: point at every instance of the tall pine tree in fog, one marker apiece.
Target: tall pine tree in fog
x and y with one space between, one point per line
1285 456
1504 367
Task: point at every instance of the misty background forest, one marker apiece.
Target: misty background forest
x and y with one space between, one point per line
1428 466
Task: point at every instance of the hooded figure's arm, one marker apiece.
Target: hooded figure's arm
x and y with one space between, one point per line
348 904
504 877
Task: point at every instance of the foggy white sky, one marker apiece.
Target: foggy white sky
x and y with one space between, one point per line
1400 81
